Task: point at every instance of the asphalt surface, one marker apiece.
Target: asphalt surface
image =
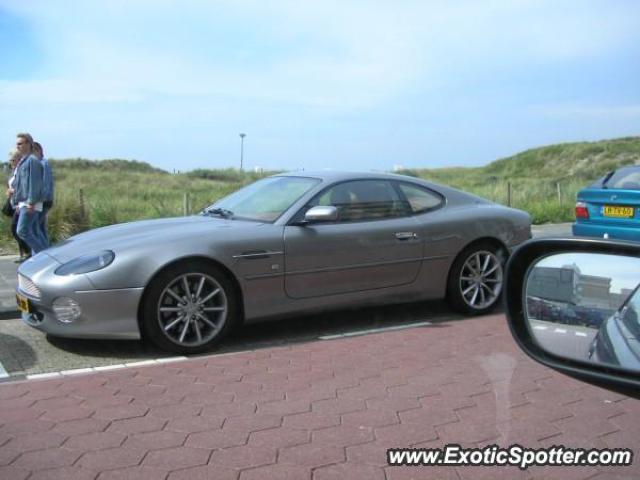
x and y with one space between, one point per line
8 285
552 230
571 341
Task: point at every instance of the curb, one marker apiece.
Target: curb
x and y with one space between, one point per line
9 313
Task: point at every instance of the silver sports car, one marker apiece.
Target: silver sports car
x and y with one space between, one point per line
290 243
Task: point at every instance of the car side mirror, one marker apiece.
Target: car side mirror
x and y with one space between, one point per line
321 214
574 305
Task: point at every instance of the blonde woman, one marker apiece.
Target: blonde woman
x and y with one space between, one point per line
25 251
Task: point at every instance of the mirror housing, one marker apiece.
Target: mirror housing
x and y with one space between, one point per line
321 214
519 269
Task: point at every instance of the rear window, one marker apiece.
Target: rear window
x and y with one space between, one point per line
420 200
626 178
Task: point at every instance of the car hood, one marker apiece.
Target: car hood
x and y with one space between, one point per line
147 232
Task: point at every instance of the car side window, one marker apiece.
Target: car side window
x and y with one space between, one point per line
420 199
363 200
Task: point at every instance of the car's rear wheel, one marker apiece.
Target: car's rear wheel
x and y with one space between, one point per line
189 308
476 278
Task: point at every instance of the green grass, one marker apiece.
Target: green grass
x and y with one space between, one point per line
116 191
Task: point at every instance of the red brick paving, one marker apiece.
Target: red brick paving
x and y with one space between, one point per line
68 473
14 473
316 411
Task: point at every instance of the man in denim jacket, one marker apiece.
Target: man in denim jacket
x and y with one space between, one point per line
27 194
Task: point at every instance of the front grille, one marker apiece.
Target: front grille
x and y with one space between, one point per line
28 287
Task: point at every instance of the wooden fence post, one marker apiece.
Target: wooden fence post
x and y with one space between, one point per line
508 194
185 204
559 193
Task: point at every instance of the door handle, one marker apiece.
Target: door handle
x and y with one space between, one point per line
406 235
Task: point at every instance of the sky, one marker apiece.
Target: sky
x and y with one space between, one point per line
316 84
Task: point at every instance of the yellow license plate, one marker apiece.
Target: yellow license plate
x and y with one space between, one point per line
23 303
618 212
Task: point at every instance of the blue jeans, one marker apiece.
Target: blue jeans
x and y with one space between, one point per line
29 230
23 247
42 225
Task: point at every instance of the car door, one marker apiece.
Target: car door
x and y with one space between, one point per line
373 244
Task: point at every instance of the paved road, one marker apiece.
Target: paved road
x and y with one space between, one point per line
566 340
552 230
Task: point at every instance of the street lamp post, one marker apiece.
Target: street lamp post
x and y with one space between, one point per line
242 135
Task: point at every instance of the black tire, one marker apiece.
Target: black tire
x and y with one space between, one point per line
183 325
476 279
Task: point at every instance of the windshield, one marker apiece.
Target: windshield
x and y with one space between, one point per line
264 200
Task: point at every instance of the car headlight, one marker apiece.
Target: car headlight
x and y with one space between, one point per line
86 263
67 310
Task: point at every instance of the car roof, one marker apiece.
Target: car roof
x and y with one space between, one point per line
337 175
332 176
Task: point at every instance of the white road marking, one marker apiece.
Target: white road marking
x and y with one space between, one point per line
39 376
171 359
104 368
374 330
76 371
561 330
143 363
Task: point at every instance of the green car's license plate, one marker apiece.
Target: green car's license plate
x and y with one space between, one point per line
618 212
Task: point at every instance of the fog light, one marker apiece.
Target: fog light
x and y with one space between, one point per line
66 309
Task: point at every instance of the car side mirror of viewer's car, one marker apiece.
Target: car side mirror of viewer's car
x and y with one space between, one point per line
574 305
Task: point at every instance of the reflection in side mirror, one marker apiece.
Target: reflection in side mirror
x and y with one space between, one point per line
586 307
321 214
571 305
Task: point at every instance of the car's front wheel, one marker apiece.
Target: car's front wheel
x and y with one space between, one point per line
475 280
189 308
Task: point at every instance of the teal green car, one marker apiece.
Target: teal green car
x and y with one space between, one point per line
610 207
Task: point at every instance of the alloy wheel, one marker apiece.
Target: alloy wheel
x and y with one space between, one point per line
192 309
481 279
